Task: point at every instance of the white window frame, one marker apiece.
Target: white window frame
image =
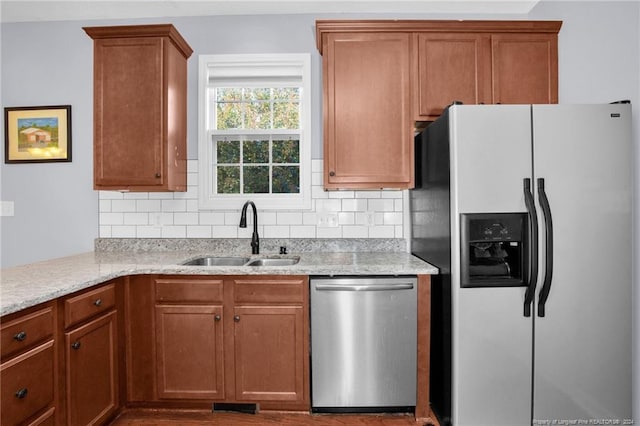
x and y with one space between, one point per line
266 68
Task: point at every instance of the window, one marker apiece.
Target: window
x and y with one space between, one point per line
255 131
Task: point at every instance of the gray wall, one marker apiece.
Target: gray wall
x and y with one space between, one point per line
56 209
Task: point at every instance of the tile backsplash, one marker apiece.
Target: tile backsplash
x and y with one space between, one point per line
333 214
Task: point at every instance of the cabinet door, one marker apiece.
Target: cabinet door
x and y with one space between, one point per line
525 68
368 133
91 371
451 67
269 353
128 128
189 352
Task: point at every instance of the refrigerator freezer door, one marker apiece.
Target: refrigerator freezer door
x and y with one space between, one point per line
582 345
491 341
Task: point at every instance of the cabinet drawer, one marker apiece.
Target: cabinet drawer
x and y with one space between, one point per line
189 290
27 384
91 303
266 290
26 331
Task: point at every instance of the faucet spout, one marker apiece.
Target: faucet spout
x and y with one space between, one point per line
255 239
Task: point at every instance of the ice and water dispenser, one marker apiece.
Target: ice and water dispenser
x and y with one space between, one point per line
494 250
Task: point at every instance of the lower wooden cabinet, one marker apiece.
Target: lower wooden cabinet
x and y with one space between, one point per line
92 371
269 353
233 339
189 352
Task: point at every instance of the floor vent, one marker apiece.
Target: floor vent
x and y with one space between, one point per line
238 408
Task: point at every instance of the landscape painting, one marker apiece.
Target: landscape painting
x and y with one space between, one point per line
38 134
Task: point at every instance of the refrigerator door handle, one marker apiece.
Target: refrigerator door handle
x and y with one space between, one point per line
533 247
548 274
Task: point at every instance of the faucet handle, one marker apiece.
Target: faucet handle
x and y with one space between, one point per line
283 250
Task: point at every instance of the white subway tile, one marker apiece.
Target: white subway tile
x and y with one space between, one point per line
394 218
329 232
174 205
192 179
104 206
389 193
190 194
318 193
136 218
180 218
367 194
302 231
329 205
341 194
174 231
399 231
223 231
317 165
192 166
165 218
355 231
149 232
317 179
310 218
123 205
289 218
276 231
354 205
123 231
382 205
110 195
398 205
211 218
135 195
233 218
199 231
148 205
111 218
346 218
161 195
248 231
105 231
381 231
266 218
192 206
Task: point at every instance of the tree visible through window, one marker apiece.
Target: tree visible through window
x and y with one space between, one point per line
256 115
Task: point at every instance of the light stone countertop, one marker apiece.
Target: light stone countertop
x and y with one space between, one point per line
28 285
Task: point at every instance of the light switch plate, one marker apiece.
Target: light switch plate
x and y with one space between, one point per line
7 208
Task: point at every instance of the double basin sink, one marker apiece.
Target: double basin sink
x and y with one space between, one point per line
241 261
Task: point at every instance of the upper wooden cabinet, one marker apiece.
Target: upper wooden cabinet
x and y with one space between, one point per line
140 107
380 77
368 131
450 67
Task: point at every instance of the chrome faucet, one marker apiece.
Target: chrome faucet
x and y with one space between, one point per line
255 240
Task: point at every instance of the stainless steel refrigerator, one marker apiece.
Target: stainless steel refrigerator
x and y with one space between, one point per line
526 210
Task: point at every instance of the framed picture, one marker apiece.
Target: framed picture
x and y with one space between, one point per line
37 134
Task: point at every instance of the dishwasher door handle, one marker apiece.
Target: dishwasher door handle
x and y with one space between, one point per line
363 287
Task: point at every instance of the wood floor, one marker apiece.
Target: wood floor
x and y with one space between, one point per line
145 417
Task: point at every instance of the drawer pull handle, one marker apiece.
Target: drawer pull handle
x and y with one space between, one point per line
22 393
98 302
217 318
75 345
236 318
20 336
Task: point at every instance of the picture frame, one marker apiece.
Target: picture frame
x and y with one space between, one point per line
37 134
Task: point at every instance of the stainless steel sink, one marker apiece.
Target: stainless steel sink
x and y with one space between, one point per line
217 261
280 261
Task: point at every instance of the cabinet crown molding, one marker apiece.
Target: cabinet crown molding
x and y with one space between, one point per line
153 30
418 26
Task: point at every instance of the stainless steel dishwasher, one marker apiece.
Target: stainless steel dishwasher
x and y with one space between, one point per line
363 344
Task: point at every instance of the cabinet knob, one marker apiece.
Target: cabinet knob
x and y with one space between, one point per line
22 393
236 318
158 175
332 173
217 318
75 345
20 336
98 302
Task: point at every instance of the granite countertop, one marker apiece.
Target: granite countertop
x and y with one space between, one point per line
28 285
